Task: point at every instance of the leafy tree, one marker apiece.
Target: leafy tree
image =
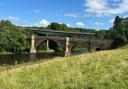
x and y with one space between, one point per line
54 26
120 31
126 28
102 34
12 38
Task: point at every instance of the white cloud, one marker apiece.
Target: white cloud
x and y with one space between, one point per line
68 25
80 24
36 11
98 23
43 23
102 7
71 15
13 18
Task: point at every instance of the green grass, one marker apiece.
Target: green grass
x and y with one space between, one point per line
97 70
124 47
78 49
5 53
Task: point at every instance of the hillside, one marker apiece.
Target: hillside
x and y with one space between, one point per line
98 70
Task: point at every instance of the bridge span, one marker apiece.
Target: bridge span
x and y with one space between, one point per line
68 40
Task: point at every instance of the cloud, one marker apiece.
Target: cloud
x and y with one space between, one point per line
80 24
68 25
43 23
104 8
36 11
13 18
71 15
98 23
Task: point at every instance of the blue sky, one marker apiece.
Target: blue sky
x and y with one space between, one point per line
97 14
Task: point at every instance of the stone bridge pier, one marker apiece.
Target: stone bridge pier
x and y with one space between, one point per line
67 50
33 48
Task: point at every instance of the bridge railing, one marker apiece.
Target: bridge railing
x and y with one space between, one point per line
75 39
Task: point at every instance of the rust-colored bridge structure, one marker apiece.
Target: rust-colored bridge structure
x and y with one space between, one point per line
68 40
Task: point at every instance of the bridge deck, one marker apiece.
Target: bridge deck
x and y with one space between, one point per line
63 33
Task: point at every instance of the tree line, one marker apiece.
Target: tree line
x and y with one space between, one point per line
119 32
13 38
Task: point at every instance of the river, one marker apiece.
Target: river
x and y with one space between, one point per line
13 59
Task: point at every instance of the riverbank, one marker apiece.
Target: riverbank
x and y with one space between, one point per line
97 70
5 53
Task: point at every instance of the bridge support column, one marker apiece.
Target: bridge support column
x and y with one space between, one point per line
47 44
33 49
67 48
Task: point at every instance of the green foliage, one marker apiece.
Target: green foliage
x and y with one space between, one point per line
126 27
42 46
119 40
120 31
102 34
117 22
54 26
59 27
12 38
55 46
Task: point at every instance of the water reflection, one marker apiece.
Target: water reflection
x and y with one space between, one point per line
79 52
13 59
33 57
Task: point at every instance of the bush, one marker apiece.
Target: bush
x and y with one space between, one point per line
119 40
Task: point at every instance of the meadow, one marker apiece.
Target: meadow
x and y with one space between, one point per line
97 70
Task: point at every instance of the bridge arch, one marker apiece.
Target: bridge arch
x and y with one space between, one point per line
52 44
98 49
68 43
80 46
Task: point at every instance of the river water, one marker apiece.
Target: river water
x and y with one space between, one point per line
13 59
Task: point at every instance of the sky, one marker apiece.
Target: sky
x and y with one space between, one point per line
92 14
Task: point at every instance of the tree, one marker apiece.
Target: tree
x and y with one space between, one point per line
12 38
102 34
54 26
120 31
126 28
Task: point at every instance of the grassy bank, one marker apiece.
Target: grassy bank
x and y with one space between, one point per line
79 49
5 53
98 70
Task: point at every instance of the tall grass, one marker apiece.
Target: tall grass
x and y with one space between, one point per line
98 70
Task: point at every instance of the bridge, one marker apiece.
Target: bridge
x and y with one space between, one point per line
68 40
